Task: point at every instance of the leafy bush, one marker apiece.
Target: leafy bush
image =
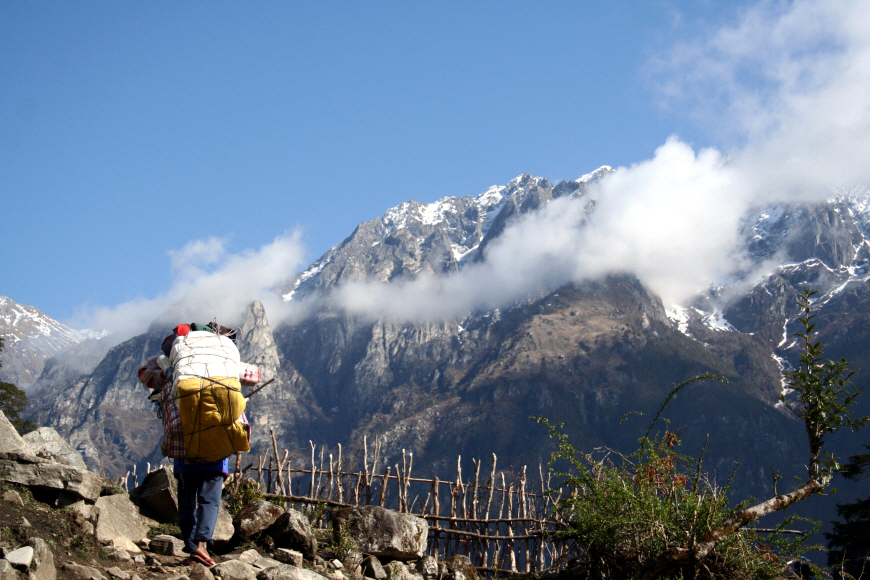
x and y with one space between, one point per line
239 493
621 512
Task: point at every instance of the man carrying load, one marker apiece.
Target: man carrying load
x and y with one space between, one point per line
198 388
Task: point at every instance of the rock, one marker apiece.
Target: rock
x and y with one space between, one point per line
292 530
396 570
382 532
371 568
336 564
223 530
21 558
13 496
46 442
118 516
167 545
32 471
7 571
85 509
10 440
157 495
288 572
249 556
179 577
463 564
427 566
264 563
119 554
25 523
234 570
255 517
200 572
125 544
43 560
286 556
82 572
116 572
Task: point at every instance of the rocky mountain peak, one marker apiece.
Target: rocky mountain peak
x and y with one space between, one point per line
30 337
256 342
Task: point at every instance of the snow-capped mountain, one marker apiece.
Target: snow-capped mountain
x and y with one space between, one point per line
29 338
438 237
584 354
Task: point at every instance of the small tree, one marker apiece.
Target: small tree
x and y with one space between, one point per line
13 401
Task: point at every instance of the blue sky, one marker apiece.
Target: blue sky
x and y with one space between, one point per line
131 132
129 129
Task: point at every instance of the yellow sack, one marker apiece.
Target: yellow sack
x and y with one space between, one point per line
210 409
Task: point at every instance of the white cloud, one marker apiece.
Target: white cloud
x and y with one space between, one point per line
208 282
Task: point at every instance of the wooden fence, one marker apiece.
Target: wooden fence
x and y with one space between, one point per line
500 520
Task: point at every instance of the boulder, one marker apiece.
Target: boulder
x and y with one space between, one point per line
116 572
254 518
80 572
118 554
200 572
293 531
10 440
397 571
234 570
118 517
265 563
286 556
157 496
427 566
7 571
463 564
47 443
13 496
32 471
372 568
167 545
382 532
288 572
223 530
43 560
249 556
21 558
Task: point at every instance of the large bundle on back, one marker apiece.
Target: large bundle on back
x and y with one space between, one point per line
202 403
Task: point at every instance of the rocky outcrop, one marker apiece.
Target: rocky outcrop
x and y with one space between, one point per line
255 517
157 495
293 531
10 440
67 484
381 532
47 443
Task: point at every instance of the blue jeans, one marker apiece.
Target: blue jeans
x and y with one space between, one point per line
199 500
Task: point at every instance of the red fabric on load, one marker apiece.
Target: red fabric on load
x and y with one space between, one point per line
249 375
182 330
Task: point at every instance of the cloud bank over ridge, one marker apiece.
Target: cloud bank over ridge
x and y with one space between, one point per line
786 86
